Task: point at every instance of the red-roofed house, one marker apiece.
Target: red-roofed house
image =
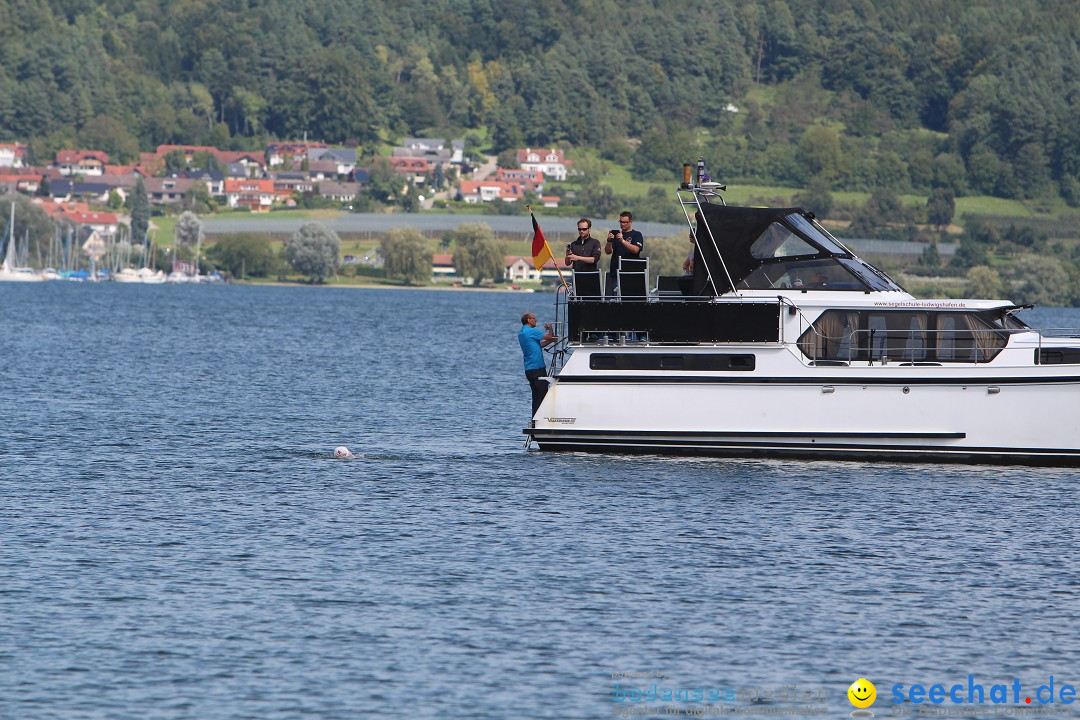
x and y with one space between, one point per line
256 195
105 223
414 168
291 154
80 214
19 182
442 266
12 155
81 162
530 179
240 157
550 162
475 191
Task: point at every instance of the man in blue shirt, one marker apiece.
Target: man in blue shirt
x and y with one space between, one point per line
533 341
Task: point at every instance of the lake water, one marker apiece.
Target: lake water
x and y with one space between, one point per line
176 540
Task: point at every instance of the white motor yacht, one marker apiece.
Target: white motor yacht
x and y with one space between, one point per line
786 344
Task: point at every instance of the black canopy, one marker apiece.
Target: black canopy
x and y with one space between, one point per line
735 229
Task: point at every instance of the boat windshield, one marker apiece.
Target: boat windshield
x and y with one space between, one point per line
808 274
874 278
816 233
779 242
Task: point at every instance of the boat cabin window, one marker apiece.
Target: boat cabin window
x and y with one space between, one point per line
903 336
779 242
809 274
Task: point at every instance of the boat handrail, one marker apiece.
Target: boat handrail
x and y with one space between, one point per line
697 193
1059 333
559 348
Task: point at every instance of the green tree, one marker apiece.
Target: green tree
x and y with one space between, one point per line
984 282
188 234
666 255
1038 280
970 253
112 136
930 257
175 161
820 154
140 212
817 198
197 199
940 207
410 199
314 250
599 200
406 256
205 161
245 254
508 159
476 253
661 154
385 182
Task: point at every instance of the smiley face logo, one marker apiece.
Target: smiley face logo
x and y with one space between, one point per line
862 693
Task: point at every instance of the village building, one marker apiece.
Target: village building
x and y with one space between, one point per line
255 195
343 159
290 154
12 155
550 162
81 162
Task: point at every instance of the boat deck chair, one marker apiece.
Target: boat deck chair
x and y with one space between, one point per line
634 278
668 286
587 283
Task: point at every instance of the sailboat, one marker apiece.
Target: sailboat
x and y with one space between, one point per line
8 270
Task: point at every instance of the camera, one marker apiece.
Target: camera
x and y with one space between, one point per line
616 232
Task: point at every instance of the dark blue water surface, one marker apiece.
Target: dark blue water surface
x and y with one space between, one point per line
176 540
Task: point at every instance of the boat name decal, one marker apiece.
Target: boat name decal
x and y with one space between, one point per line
568 421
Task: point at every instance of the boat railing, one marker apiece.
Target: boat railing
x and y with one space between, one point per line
692 196
560 325
1041 352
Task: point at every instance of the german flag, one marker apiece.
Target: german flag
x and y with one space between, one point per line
540 250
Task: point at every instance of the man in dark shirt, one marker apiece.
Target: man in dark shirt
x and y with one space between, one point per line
584 252
622 243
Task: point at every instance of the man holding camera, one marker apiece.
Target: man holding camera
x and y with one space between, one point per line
622 243
584 252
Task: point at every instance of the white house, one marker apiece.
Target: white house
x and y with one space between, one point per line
12 155
550 162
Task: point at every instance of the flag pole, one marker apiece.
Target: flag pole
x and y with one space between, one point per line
548 247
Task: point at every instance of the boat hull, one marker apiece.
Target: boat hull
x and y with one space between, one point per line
970 420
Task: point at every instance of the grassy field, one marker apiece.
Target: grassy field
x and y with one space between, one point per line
619 179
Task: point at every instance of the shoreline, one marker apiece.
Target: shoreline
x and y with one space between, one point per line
375 286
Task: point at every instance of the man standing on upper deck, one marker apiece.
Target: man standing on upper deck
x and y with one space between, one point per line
622 243
584 253
533 341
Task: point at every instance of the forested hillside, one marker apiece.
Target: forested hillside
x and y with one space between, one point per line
980 97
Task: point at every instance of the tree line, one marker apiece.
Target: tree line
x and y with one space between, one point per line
978 97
